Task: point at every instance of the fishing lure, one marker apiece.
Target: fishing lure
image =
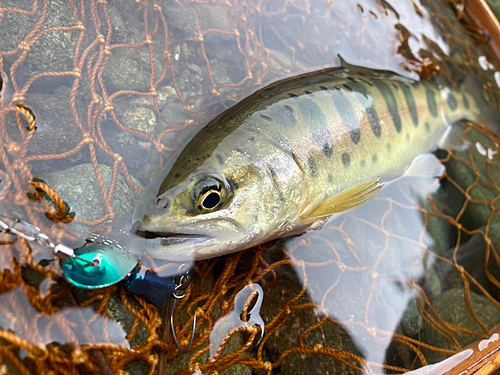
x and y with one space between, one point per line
101 262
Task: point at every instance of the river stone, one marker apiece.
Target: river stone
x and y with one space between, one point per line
329 334
476 215
78 187
431 283
450 306
412 322
119 313
56 131
495 7
140 118
237 340
127 69
53 51
181 362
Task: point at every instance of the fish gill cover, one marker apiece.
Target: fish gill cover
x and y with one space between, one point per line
96 94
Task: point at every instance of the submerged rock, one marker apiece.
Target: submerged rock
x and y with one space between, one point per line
478 173
412 322
237 340
129 69
78 187
287 336
50 51
140 118
450 306
56 132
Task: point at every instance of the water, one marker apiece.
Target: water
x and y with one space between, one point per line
408 279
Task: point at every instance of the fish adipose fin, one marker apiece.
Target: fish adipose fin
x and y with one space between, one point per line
346 200
426 165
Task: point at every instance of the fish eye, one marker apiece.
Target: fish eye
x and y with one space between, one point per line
210 200
208 194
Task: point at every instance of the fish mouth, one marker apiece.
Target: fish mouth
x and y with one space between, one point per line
170 238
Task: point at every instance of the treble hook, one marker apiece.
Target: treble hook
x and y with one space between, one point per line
183 284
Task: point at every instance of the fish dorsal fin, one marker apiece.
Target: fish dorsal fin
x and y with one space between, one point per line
354 70
346 200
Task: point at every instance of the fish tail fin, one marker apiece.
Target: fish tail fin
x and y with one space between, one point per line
482 110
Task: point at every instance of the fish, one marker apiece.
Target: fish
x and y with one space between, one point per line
285 159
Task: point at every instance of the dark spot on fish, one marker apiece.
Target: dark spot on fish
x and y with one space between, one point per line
177 175
374 158
371 112
282 115
351 79
237 149
328 150
427 127
347 114
292 95
389 148
410 103
323 88
251 139
395 86
431 102
347 86
313 167
355 136
367 82
308 93
466 102
330 179
315 119
220 159
346 159
374 121
391 102
362 163
267 118
452 101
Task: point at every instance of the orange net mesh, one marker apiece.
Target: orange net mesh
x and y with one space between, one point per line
142 76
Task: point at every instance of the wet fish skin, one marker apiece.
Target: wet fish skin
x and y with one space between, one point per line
280 153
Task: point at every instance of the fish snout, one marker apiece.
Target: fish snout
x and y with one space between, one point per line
141 217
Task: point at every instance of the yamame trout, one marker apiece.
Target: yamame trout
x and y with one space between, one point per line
286 158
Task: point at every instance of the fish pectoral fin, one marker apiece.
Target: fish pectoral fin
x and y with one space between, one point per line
346 200
426 165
